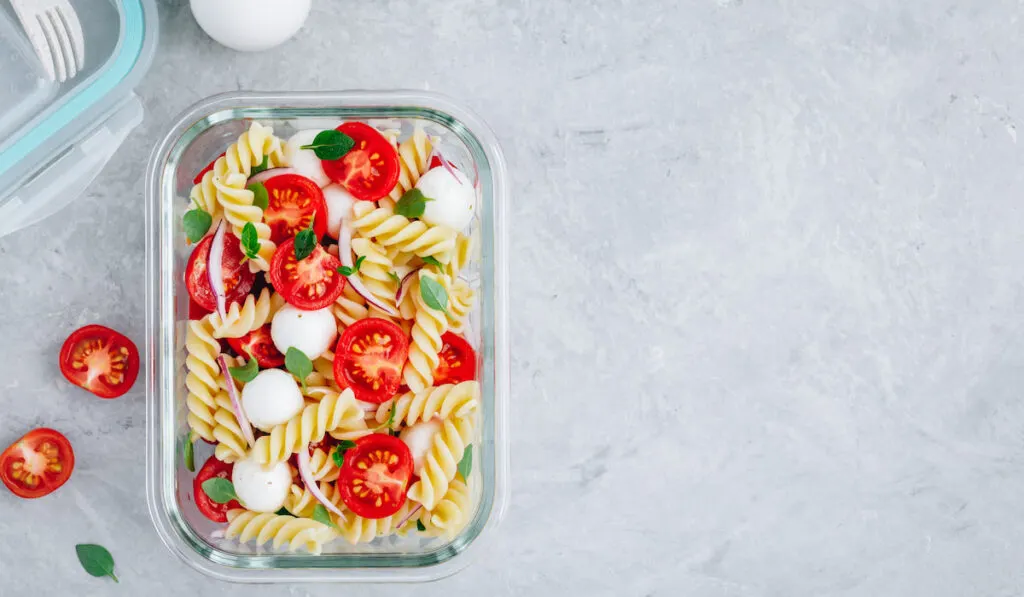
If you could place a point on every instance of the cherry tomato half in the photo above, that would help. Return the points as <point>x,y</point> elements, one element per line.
<point>238,278</point>
<point>370,356</point>
<point>294,202</point>
<point>101,360</point>
<point>310,284</point>
<point>260,345</point>
<point>375,475</point>
<point>458,360</point>
<point>37,464</point>
<point>199,177</point>
<point>211,509</point>
<point>370,169</point>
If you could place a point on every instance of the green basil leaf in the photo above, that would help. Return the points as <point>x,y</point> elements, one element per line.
<point>219,490</point>
<point>359,262</point>
<point>434,295</point>
<point>247,373</point>
<point>412,204</point>
<point>331,144</point>
<point>283,512</point>
<point>197,223</point>
<point>320,515</point>
<point>419,526</point>
<point>298,364</point>
<point>260,197</point>
<point>391,416</point>
<point>96,560</point>
<point>264,165</point>
<point>431,260</point>
<point>250,240</point>
<point>346,271</point>
<point>466,464</point>
<point>190,452</point>
<point>394,277</point>
<point>305,242</point>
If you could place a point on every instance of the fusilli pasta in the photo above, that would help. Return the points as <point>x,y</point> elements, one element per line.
<point>350,307</point>
<point>280,529</point>
<point>356,529</point>
<point>203,377</point>
<point>441,463</point>
<point>413,161</point>
<point>426,341</point>
<point>442,401</point>
<point>231,444</point>
<point>252,315</point>
<point>309,426</point>
<point>301,502</point>
<point>411,236</point>
<point>450,514</point>
<point>460,303</point>
<point>375,270</point>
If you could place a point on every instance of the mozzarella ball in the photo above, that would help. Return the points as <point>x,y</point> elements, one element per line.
<point>270,399</point>
<point>304,161</point>
<point>339,206</point>
<point>312,332</point>
<point>419,438</point>
<point>250,25</point>
<point>260,489</point>
<point>452,198</point>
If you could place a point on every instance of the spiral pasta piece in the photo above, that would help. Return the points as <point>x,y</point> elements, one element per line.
<point>441,463</point>
<point>350,307</point>
<point>236,165</point>
<point>460,303</point>
<point>356,529</point>
<point>203,378</point>
<point>375,271</point>
<point>301,502</point>
<point>461,256</point>
<point>280,529</point>
<point>426,341</point>
<point>231,444</point>
<point>411,236</point>
<point>252,315</point>
<point>451,514</point>
<point>413,162</point>
<point>309,426</point>
<point>442,401</point>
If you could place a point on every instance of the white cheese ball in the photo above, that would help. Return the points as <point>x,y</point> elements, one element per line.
<point>304,161</point>
<point>452,197</point>
<point>312,332</point>
<point>419,438</point>
<point>270,399</point>
<point>339,206</point>
<point>250,25</point>
<point>260,489</point>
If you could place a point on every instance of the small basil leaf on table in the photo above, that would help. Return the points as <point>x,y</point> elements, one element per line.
<point>96,560</point>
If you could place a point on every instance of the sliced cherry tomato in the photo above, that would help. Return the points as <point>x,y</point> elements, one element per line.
<point>37,464</point>
<point>101,360</point>
<point>375,475</point>
<point>310,284</point>
<point>435,162</point>
<point>294,202</point>
<point>370,170</point>
<point>260,345</point>
<point>458,360</point>
<point>238,278</point>
<point>370,357</point>
<point>195,310</point>
<point>199,177</point>
<point>211,509</point>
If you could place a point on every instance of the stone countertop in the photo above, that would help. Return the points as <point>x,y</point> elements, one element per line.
<point>766,268</point>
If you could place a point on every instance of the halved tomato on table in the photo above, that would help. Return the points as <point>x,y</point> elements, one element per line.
<point>238,279</point>
<point>310,284</point>
<point>260,346</point>
<point>294,202</point>
<point>369,357</point>
<point>37,464</point>
<point>209,508</point>
<point>375,475</point>
<point>370,169</point>
<point>458,360</point>
<point>101,360</point>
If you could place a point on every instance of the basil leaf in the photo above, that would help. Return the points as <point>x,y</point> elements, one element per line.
<point>264,165</point>
<point>260,197</point>
<point>338,455</point>
<point>434,295</point>
<point>412,204</point>
<point>197,223</point>
<point>320,515</point>
<point>219,490</point>
<point>331,144</point>
<point>466,464</point>
<point>190,452</point>
<point>283,512</point>
<point>394,277</point>
<point>305,242</point>
<point>96,560</point>
<point>431,260</point>
<point>250,240</point>
<point>348,271</point>
<point>391,416</point>
<point>419,526</point>
<point>298,364</point>
<point>247,373</point>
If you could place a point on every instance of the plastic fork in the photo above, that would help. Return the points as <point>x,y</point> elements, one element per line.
<point>56,35</point>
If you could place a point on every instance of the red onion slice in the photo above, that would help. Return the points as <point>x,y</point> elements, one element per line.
<point>268,174</point>
<point>306,473</point>
<point>345,254</point>
<point>215,269</point>
<point>236,403</point>
<point>403,289</point>
<point>411,513</point>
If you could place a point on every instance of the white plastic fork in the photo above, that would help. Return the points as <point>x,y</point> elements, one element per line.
<point>56,35</point>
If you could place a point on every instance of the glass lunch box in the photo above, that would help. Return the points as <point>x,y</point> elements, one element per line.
<point>196,138</point>
<point>56,137</point>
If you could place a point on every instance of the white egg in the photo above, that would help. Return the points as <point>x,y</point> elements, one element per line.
<point>260,489</point>
<point>452,198</point>
<point>312,332</point>
<point>419,438</point>
<point>339,206</point>
<point>272,398</point>
<point>304,161</point>
<point>250,25</point>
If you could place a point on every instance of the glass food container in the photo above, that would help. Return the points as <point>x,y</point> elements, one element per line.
<point>195,139</point>
<point>56,137</point>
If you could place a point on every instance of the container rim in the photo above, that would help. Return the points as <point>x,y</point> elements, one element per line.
<point>319,104</point>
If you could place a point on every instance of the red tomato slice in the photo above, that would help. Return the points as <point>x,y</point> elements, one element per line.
<point>370,356</point>
<point>101,360</point>
<point>211,509</point>
<point>199,177</point>
<point>260,345</point>
<point>294,202</point>
<point>375,475</point>
<point>458,360</point>
<point>237,277</point>
<point>310,284</point>
<point>370,170</point>
<point>435,162</point>
<point>37,464</point>
<point>195,310</point>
